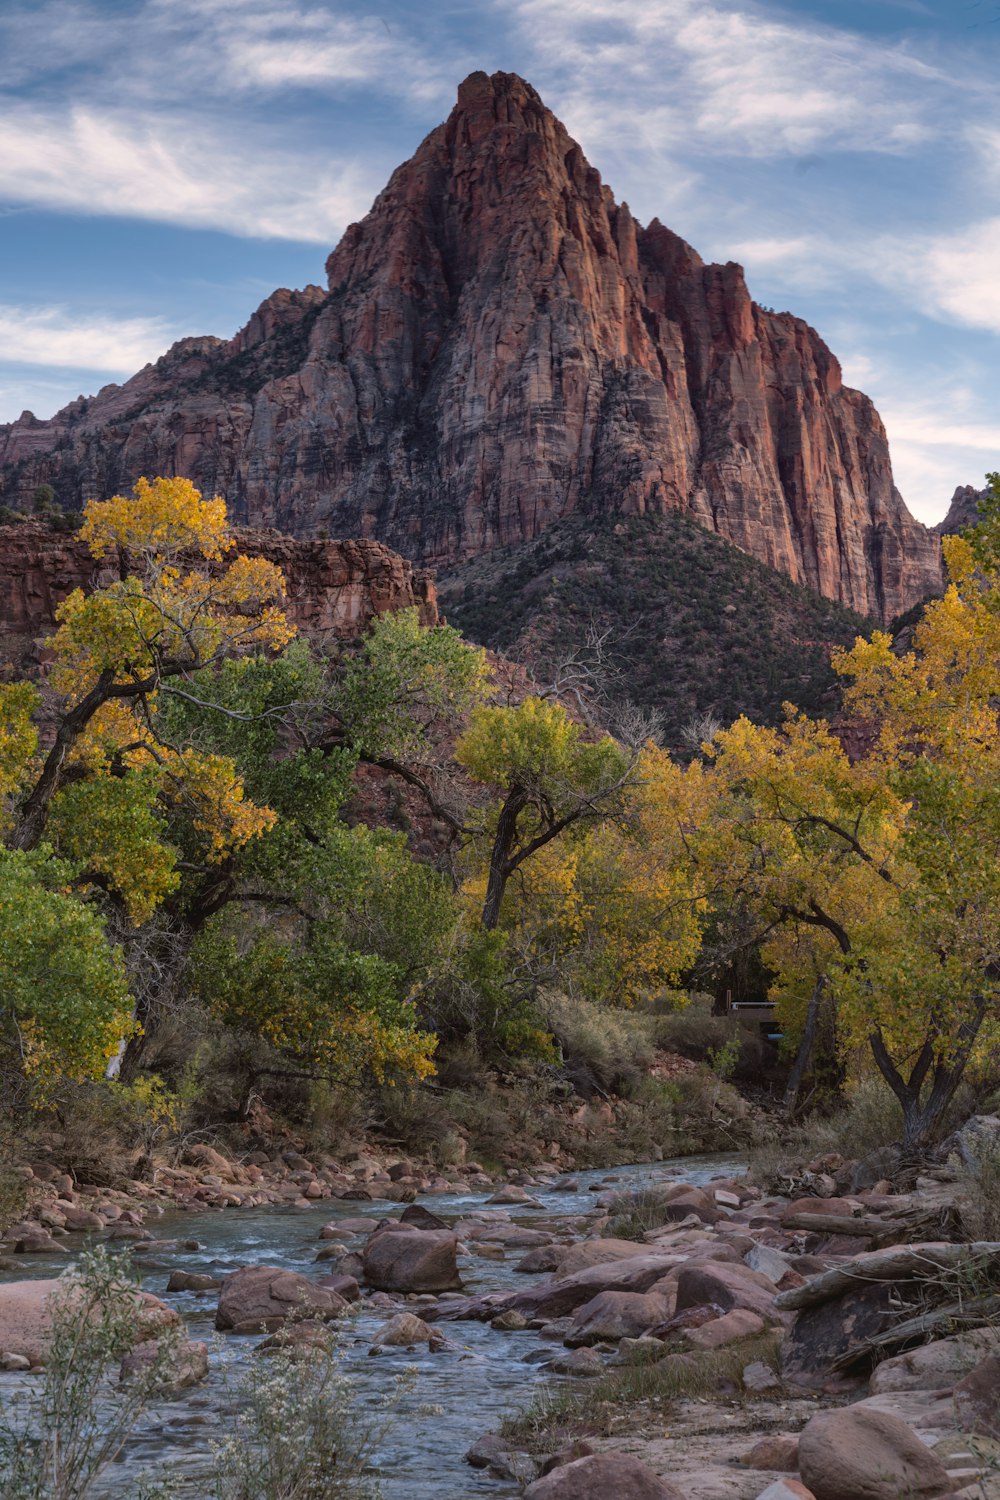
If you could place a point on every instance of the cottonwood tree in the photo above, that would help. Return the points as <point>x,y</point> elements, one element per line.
<point>877,881</point>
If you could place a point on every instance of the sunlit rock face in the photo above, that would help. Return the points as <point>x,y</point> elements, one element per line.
<point>502,344</point>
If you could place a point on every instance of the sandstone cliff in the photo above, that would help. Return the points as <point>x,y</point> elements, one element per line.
<point>501,345</point>
<point>963,510</point>
<point>334,587</point>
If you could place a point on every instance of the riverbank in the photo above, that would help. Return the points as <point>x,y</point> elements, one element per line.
<point>691,1346</point>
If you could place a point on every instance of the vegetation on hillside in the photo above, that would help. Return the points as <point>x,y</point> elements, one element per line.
<point>687,623</point>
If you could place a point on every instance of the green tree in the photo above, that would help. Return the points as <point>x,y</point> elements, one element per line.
<point>548,777</point>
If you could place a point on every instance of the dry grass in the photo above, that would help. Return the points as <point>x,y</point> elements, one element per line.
<point>565,1411</point>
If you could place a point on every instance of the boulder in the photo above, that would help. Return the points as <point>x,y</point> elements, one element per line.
<point>618,1315</point>
<point>759,1377</point>
<point>728,1286</point>
<point>859,1454</point>
<point>553,1299</point>
<point>298,1340</point>
<point>602,1476</point>
<point>178,1367</point>
<point>260,1299</point>
<point>597,1252</point>
<point>584,1364</point>
<point>543,1258</point>
<point>411,1260</point>
<point>823,1334</point>
<point>977,1399</point>
<point>936,1366</point>
<point>26,1309</point>
<point>193,1281</point>
<point>786,1489</point>
<point>421,1218</point>
<point>778,1452</point>
<point>717,1332</point>
<point>403,1331</point>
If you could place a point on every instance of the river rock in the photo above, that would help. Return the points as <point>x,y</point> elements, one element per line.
<point>933,1367</point>
<point>298,1340</point>
<point>421,1218</point>
<point>728,1286</point>
<point>741,1323</point>
<point>403,1331</point>
<point>618,1315</point>
<point>597,1252</point>
<point>344,1286</point>
<point>602,1476</point>
<point>779,1451</point>
<point>859,1454</point>
<point>26,1309</point>
<point>554,1299</point>
<point>977,1399</point>
<point>511,1193</point>
<point>543,1258</point>
<point>260,1299</point>
<point>411,1260</point>
<point>582,1363</point>
<point>193,1281</point>
<point>821,1335</point>
<point>180,1365</point>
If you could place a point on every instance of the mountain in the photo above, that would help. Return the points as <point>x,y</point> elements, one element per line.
<point>963,510</point>
<point>679,619</point>
<point>502,345</point>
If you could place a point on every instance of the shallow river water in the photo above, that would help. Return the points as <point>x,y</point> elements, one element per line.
<point>456,1396</point>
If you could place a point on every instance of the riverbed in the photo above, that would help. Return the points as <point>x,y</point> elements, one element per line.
<point>456,1394</point>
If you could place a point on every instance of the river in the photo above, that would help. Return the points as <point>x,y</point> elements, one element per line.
<point>455,1397</point>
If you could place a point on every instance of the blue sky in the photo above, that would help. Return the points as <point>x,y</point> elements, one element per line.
<point>165,164</point>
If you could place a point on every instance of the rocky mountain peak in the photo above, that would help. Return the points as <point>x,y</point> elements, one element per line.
<point>503,345</point>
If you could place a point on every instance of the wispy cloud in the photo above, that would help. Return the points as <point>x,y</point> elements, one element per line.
<point>952,277</point>
<point>94,160</point>
<point>174,119</point>
<point>730,77</point>
<point>54,336</point>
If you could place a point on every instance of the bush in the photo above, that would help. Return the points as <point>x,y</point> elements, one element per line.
<point>604,1050</point>
<point>59,1437</point>
<point>297,1431</point>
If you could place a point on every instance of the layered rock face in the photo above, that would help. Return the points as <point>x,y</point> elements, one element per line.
<point>334,587</point>
<point>501,345</point>
<point>963,510</point>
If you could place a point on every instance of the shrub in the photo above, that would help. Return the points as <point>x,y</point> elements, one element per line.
<point>57,1439</point>
<point>603,1049</point>
<point>297,1432</point>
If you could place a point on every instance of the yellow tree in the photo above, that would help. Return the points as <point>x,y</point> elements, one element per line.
<point>548,776</point>
<point>880,879</point>
<point>610,904</point>
<point>107,781</point>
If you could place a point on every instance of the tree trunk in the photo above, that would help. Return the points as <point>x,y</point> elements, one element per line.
<point>804,1054</point>
<point>503,842</point>
<point>920,1119</point>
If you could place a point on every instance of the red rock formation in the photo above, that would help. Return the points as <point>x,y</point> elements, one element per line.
<point>502,344</point>
<point>963,510</point>
<point>332,587</point>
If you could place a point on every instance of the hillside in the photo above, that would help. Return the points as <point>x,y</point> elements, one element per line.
<point>695,626</point>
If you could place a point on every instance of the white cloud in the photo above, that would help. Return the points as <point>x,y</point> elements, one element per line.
<point>167,111</point>
<point>951,276</point>
<point>732,79</point>
<point>90,160</point>
<point>53,336</point>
